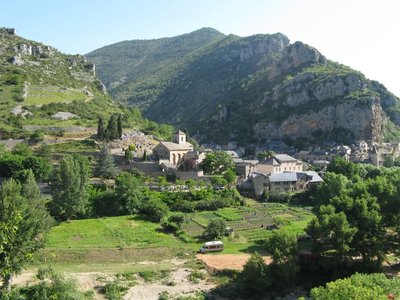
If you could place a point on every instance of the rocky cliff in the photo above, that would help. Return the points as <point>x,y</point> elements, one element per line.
<point>250,89</point>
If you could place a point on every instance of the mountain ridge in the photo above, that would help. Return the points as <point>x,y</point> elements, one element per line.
<point>255,88</point>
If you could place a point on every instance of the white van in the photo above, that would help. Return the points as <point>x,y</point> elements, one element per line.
<point>212,246</point>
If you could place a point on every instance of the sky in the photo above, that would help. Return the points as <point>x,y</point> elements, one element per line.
<point>362,34</point>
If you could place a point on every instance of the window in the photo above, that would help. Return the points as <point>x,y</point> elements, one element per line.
<point>181,138</point>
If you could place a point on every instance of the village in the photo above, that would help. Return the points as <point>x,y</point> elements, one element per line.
<point>272,167</point>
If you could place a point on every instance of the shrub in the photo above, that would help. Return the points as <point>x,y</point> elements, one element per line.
<point>52,285</point>
<point>114,290</point>
<point>184,206</point>
<point>174,222</point>
<point>154,209</point>
<point>278,197</point>
<point>215,229</point>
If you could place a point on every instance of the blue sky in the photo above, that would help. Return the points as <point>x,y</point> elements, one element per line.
<point>362,34</point>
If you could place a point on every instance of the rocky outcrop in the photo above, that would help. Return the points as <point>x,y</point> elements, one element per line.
<point>61,115</point>
<point>312,87</point>
<point>296,56</point>
<point>19,111</point>
<point>362,119</point>
<point>275,44</point>
<point>35,50</point>
<point>16,60</point>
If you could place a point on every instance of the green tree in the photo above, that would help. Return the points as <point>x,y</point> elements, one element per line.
<point>30,189</point>
<point>265,154</point>
<point>68,187</point>
<point>105,166</point>
<point>144,155</point>
<point>230,176</point>
<point>128,155</point>
<point>129,190</point>
<point>154,209</point>
<point>23,226</point>
<point>339,165</point>
<point>44,151</point>
<point>119,126</point>
<point>39,166</point>
<point>112,128</point>
<point>10,163</point>
<point>283,248</point>
<point>254,280</point>
<point>101,132</point>
<point>217,163</point>
<point>359,286</point>
<point>332,233</point>
<point>215,229</point>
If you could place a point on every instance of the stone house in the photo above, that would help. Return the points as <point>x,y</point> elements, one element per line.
<point>279,163</point>
<point>244,167</point>
<point>288,182</point>
<point>173,151</point>
<point>260,183</point>
<point>283,182</point>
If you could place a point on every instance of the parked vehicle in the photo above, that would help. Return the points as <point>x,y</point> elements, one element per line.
<point>212,246</point>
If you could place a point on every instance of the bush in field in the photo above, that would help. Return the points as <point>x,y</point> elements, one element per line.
<point>184,206</point>
<point>215,229</point>
<point>154,209</point>
<point>174,222</point>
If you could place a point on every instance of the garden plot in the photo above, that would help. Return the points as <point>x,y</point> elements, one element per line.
<point>252,222</point>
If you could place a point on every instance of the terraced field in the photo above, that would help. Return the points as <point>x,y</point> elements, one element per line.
<point>252,222</point>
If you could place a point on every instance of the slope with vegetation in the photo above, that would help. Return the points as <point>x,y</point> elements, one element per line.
<point>37,82</point>
<point>224,87</point>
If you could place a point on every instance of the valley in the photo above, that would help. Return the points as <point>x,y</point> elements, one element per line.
<point>287,159</point>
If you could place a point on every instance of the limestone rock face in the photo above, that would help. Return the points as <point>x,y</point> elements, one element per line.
<point>296,56</point>
<point>265,46</point>
<point>35,50</point>
<point>364,121</point>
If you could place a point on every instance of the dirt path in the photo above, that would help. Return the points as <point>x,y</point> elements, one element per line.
<point>227,261</point>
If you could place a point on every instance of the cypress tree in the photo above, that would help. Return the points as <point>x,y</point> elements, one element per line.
<point>144,155</point>
<point>100,129</point>
<point>112,128</point>
<point>119,126</point>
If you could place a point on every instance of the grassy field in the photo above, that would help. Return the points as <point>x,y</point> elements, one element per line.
<point>116,242</point>
<point>44,94</point>
<point>113,232</point>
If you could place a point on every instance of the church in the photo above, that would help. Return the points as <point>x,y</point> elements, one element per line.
<point>173,151</point>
